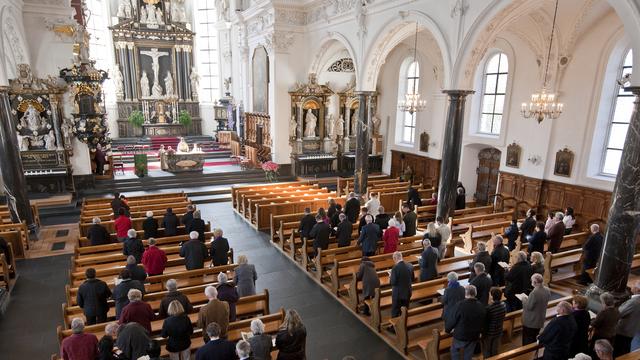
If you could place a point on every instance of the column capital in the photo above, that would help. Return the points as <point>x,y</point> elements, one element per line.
<point>453,93</point>
<point>364,93</point>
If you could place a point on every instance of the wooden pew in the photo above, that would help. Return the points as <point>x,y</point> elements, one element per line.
<point>263,212</point>
<point>131,199</point>
<point>138,212</point>
<point>634,355</point>
<point>236,190</point>
<point>136,223</point>
<point>427,213</point>
<point>526,352</point>
<point>135,205</point>
<point>563,259</point>
<point>249,211</point>
<point>477,233</point>
<point>83,242</point>
<point>9,274</point>
<point>18,236</point>
<point>245,198</point>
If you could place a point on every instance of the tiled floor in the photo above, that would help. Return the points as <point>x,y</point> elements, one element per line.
<point>47,237</point>
<point>28,329</point>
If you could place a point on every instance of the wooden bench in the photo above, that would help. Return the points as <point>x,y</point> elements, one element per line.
<point>526,352</point>
<point>263,212</point>
<point>136,223</point>
<point>250,210</point>
<point>17,236</point>
<point>563,259</point>
<point>9,274</point>
<point>84,242</point>
<point>237,191</point>
<point>131,199</point>
<point>99,209</point>
<point>138,212</point>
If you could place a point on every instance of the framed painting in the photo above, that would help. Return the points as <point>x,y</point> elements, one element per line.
<point>564,162</point>
<point>513,155</point>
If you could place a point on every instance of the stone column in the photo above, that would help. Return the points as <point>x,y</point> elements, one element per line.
<point>623,223</point>
<point>14,182</point>
<point>361,168</point>
<point>450,164</point>
<point>179,71</point>
<point>55,117</point>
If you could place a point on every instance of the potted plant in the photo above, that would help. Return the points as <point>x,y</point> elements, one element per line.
<point>136,119</point>
<point>270,171</point>
<point>184,118</point>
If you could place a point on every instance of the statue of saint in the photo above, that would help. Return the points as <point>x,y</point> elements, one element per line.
<point>117,79</point>
<point>50,141</point>
<point>183,146</point>
<point>329,132</point>
<point>376,124</point>
<point>23,142</point>
<point>143,15</point>
<point>178,13</point>
<point>159,18</point>
<point>196,148</point>
<point>310,122</point>
<point>339,126</point>
<point>168,84</point>
<point>354,123</point>
<point>124,9</point>
<point>144,85</point>
<point>31,119</point>
<point>151,15</point>
<point>293,126</point>
<point>194,79</point>
<point>222,6</point>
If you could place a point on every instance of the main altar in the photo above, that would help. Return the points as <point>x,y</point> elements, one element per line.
<point>155,72</point>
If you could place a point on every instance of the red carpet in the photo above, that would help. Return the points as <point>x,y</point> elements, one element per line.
<point>156,165</point>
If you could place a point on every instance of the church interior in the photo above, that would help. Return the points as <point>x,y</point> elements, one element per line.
<point>319,179</point>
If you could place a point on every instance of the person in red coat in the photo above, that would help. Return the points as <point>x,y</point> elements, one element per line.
<point>390,238</point>
<point>79,346</point>
<point>137,311</point>
<point>154,259</point>
<point>122,225</point>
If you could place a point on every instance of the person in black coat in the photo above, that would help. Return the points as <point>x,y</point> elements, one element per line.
<point>137,271</point>
<point>400,280</point>
<point>92,297</point>
<point>150,226</point>
<point>410,220</point>
<point>483,256</point>
<point>133,246</point>
<point>291,339</point>
<point>461,199</point>
<point>98,234</point>
<point>170,223</point>
<point>362,218</point>
<point>536,243</point>
<point>352,207</point>
<point>580,341</point>
<point>333,208</point>
<point>382,219</point>
<point>194,252</point>
<point>344,231</point>
<point>512,233</point>
<point>121,291</point>
<point>219,248</point>
<point>466,324</point>
<point>216,348</point>
<point>197,225</point>
<point>556,335</point>
<point>228,293</point>
<point>369,237</point>
<point>499,254</point>
<point>428,261</point>
<point>413,197</point>
<point>307,223</point>
<point>591,250</point>
<point>482,282</point>
<point>177,328</point>
<point>320,235</point>
<point>188,216</point>
<point>453,294</point>
<point>117,203</point>
<point>518,281</point>
<point>335,219</point>
<point>528,227</point>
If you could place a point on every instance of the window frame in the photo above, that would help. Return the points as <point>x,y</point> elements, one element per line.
<point>409,79</point>
<point>485,75</point>
<point>207,52</point>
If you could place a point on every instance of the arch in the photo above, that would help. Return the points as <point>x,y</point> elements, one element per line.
<point>394,32</point>
<point>11,42</point>
<point>326,44</point>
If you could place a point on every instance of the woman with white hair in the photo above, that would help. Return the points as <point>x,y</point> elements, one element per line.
<point>261,343</point>
<point>150,226</point>
<point>453,294</point>
<point>79,345</point>
<point>245,277</point>
<point>98,234</point>
<point>137,311</point>
<point>227,292</point>
<point>537,263</point>
<point>197,224</point>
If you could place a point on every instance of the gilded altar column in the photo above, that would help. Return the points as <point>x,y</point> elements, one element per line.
<point>363,137</point>
<point>11,171</point>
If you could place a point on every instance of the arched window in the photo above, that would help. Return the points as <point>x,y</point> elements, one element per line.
<point>207,51</point>
<point>619,122</point>
<point>494,88</point>
<point>412,79</point>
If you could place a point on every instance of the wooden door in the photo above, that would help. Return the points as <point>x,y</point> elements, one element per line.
<point>488,170</point>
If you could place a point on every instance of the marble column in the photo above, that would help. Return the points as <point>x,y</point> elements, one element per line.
<point>14,181</point>
<point>178,73</point>
<point>623,222</point>
<point>450,164</point>
<point>363,137</point>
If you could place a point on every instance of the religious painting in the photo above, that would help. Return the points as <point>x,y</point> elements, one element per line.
<point>513,155</point>
<point>156,75</point>
<point>260,72</point>
<point>564,162</point>
<point>424,142</point>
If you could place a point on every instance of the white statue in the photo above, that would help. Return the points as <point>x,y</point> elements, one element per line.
<point>23,142</point>
<point>143,15</point>
<point>159,18</point>
<point>310,122</point>
<point>67,132</point>
<point>31,119</point>
<point>339,126</point>
<point>50,141</point>
<point>124,9</point>
<point>177,11</point>
<point>329,126</point>
<point>183,146</point>
<point>155,55</point>
<point>151,15</point>
<point>196,148</point>
<point>117,79</point>
<point>354,122</point>
<point>168,84</point>
<point>195,80</point>
<point>376,124</point>
<point>144,84</point>
<point>293,126</point>
<point>222,6</point>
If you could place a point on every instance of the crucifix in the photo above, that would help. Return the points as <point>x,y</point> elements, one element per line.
<point>154,54</point>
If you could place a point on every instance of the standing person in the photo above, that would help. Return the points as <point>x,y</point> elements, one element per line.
<point>92,298</point>
<point>433,200</point>
<point>227,292</point>
<point>445,234</point>
<point>154,259</point>
<point>137,311</point>
<point>219,248</point>
<point>482,256</point>
<point>369,237</point>
<point>556,234</point>
<point>528,227</point>
<point>461,199</point>
<point>107,342</point>
<point>536,243</point>
<point>335,219</point>
<point>466,324</point>
<point>556,334</point>
<point>397,222</point>
<point>344,231</point>
<point>410,220</point>
<point>216,347</point>
<point>215,311</point>
<point>453,294</point>
<point>603,350</point>
<point>482,282</point>
<point>332,208</point>
<point>518,279</point>
<point>101,159</point>
<point>122,224</point>
<point>150,226</point>
<point>390,238</point>
<point>629,323</point>
<point>550,221</point>
<point>400,280</point>
<point>434,237</point>
<point>261,344</point>
<point>494,322</point>
<point>604,324</point>
<point>323,214</point>
<point>178,329</point>
<point>512,233</point>
<point>362,218</point>
<point>291,339</point>
<point>137,271</point>
<point>320,235</point>
<point>245,277</point>
<point>459,187</point>
<point>413,197</point>
<point>382,219</point>
<point>580,341</point>
<point>120,293</point>
<point>537,263</point>
<point>591,253</point>
<point>352,207</point>
<point>373,205</point>
<point>188,216</point>
<point>306,223</point>
<point>173,295</point>
<point>170,223</point>
<point>499,254</point>
<point>197,224</point>
<point>79,346</point>
<point>194,252</point>
<point>97,234</point>
<point>133,340</point>
<point>428,261</point>
<point>133,246</point>
<point>569,220</point>
<point>534,309</point>
<point>117,204</point>
<point>370,281</point>
<point>243,349</point>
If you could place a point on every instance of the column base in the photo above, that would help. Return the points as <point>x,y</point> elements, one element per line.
<point>593,294</point>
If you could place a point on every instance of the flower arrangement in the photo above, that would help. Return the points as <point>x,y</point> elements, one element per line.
<point>270,171</point>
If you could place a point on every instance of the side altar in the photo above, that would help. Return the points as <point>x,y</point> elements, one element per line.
<point>155,72</point>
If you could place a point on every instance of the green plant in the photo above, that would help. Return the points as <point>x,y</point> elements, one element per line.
<point>136,118</point>
<point>184,118</point>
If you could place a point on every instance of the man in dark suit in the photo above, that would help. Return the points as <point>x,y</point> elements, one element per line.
<point>197,225</point>
<point>117,203</point>
<point>590,253</point>
<point>343,231</point>
<point>219,248</point>
<point>188,216</point>
<point>133,246</point>
<point>512,233</point>
<point>170,223</point>
<point>461,199</point>
<point>428,261</point>
<point>320,235</point>
<point>410,220</point>
<point>400,281</point>
<point>307,223</point>
<point>382,219</point>
<point>482,282</point>
<point>352,207</point>
<point>369,237</point>
<point>413,197</point>
<point>121,291</point>
<point>194,252</point>
<point>555,335</point>
<point>466,324</point>
<point>150,226</point>
<point>482,256</point>
<point>518,280</point>
<point>137,271</point>
<point>528,227</point>
<point>499,254</point>
<point>556,233</point>
<point>98,235</point>
<point>92,298</point>
<point>216,348</point>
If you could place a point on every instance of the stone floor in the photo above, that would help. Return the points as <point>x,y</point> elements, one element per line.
<point>28,329</point>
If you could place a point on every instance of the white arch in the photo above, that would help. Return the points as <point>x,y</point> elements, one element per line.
<point>325,45</point>
<point>394,32</point>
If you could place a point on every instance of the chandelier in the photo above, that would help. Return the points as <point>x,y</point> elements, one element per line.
<point>543,104</point>
<point>412,102</point>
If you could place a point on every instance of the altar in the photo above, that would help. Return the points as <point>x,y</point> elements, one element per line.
<point>179,162</point>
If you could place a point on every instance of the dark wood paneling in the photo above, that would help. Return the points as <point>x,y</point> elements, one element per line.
<point>425,169</point>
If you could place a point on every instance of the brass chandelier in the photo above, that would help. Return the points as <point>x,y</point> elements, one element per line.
<point>412,102</point>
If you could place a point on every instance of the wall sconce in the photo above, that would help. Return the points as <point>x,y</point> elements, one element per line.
<point>535,159</point>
